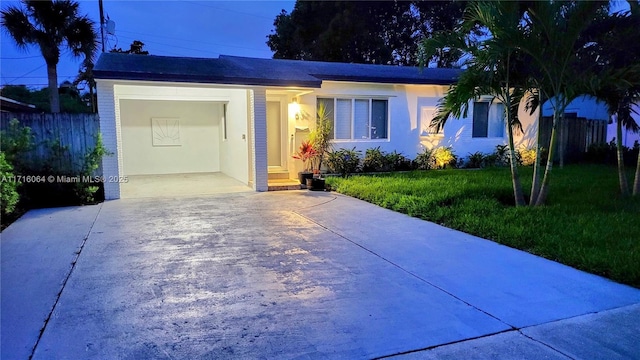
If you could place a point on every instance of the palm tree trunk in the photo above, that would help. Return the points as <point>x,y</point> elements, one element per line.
<point>54,97</point>
<point>544,187</point>
<point>636,182</point>
<point>535,183</point>
<point>622,177</point>
<point>92,100</point>
<point>515,176</point>
<point>561,142</point>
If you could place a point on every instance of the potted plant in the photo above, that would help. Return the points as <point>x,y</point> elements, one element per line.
<point>320,137</point>
<point>306,153</point>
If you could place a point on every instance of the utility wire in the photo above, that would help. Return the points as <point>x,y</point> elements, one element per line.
<point>175,46</point>
<point>193,41</point>
<point>20,58</point>
<point>229,10</point>
<point>25,74</point>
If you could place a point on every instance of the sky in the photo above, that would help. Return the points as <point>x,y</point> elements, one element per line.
<point>171,28</point>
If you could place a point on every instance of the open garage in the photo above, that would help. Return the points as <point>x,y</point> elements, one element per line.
<point>179,140</point>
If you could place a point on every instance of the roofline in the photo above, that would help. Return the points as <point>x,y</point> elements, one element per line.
<point>386,80</point>
<point>126,75</point>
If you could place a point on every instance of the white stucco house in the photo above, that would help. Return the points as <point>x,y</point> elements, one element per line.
<point>245,117</point>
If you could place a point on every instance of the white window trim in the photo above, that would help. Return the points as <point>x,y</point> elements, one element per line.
<point>353,109</point>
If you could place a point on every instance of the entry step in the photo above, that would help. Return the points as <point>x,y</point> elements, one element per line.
<point>283,184</point>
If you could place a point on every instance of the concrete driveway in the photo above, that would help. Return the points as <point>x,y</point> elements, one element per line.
<point>291,275</point>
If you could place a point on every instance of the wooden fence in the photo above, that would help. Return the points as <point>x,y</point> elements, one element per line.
<point>60,140</point>
<point>576,135</point>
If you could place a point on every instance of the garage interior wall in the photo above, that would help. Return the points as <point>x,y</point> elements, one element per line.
<point>196,150</point>
<point>234,150</point>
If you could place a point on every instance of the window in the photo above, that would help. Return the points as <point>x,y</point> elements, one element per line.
<point>427,113</point>
<point>357,119</point>
<point>488,119</point>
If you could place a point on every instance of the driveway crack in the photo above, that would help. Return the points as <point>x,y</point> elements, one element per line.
<point>64,283</point>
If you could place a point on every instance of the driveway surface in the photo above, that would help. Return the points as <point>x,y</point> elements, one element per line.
<point>291,275</point>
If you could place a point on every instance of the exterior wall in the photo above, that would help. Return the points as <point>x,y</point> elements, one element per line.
<point>408,131</point>
<point>199,137</point>
<point>108,107</point>
<point>585,106</point>
<point>258,111</point>
<point>234,151</point>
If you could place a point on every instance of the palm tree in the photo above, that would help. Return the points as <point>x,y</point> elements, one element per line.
<point>51,25</point>
<point>553,38</point>
<point>615,48</point>
<point>495,67</point>
<point>85,75</point>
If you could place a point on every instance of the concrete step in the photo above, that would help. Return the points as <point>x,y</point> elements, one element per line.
<point>278,175</point>
<point>283,184</point>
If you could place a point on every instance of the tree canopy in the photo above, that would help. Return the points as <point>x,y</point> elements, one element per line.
<point>71,101</point>
<point>136,47</point>
<point>52,26</point>
<point>378,32</point>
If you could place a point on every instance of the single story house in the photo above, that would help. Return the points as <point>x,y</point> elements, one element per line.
<point>245,117</point>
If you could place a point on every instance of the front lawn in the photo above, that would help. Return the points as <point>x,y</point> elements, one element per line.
<point>586,223</point>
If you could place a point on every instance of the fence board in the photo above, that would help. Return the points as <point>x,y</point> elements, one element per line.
<point>577,134</point>
<point>76,134</point>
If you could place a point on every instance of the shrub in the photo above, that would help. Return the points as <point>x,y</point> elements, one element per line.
<point>424,160</point>
<point>606,153</point>
<point>375,160</point>
<point>17,140</point>
<point>443,157</point>
<point>344,161</point>
<point>397,162</point>
<point>500,156</point>
<point>527,156</point>
<point>8,187</point>
<point>475,160</point>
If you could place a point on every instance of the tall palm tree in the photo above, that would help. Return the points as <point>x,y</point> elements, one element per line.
<point>614,46</point>
<point>495,67</point>
<point>52,26</point>
<point>553,38</point>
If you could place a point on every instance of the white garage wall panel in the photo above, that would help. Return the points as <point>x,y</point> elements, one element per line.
<point>194,148</point>
<point>234,151</point>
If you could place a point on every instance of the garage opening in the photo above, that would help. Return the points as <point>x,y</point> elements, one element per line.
<point>177,148</point>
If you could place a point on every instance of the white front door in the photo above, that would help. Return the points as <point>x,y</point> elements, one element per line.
<point>275,143</point>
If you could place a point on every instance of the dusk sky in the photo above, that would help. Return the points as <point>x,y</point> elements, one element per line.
<point>171,28</point>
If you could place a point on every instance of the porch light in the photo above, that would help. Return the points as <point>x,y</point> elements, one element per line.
<point>294,108</point>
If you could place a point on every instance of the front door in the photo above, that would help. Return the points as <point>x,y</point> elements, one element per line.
<point>275,147</point>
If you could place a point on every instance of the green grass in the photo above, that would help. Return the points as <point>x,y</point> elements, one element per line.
<point>586,223</point>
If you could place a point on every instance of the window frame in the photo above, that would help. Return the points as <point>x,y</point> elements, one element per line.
<point>490,105</point>
<point>353,131</point>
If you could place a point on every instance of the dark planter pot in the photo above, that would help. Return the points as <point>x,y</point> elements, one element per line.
<point>315,184</point>
<point>302,177</point>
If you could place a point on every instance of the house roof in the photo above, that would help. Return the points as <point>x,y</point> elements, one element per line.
<point>237,70</point>
<point>11,105</point>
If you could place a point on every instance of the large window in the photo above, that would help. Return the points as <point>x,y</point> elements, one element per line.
<point>357,119</point>
<point>488,119</point>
